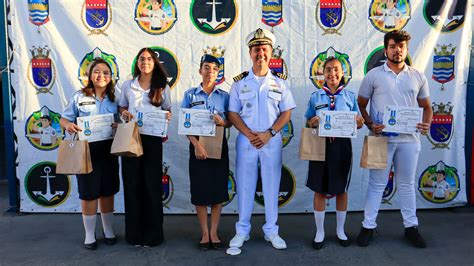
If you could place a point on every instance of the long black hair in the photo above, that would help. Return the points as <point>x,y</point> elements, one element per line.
<point>159,77</point>
<point>88,90</point>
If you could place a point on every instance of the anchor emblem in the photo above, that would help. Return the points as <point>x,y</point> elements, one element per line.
<point>214,23</point>
<point>48,195</point>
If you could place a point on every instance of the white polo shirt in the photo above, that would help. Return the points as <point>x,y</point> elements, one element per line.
<point>134,96</point>
<point>383,87</point>
<point>260,102</point>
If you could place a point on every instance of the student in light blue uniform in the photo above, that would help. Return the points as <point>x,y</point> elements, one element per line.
<point>208,177</point>
<point>332,176</point>
<point>100,186</point>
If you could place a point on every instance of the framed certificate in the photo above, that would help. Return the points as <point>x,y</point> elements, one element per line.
<point>196,122</point>
<point>401,119</point>
<point>96,127</point>
<point>339,124</point>
<point>152,122</point>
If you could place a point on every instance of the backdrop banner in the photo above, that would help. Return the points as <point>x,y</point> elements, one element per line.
<point>53,43</point>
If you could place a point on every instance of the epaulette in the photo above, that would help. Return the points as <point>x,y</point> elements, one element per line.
<point>241,76</point>
<point>280,75</point>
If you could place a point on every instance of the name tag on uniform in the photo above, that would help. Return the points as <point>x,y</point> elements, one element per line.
<point>245,90</point>
<point>86,103</point>
<point>275,91</point>
<point>197,103</point>
<point>321,106</point>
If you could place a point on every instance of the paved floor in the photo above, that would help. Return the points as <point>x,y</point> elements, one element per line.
<point>51,239</point>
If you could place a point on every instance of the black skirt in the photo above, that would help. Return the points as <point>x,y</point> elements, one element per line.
<point>332,176</point>
<point>209,177</point>
<point>103,181</point>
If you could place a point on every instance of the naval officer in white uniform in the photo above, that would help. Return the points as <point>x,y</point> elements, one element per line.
<point>260,105</point>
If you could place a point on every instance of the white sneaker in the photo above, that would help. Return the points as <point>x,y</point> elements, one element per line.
<point>277,241</point>
<point>238,240</point>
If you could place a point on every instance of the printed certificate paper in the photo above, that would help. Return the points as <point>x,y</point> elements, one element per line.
<point>339,124</point>
<point>196,122</point>
<point>401,119</point>
<point>96,127</point>
<point>152,122</point>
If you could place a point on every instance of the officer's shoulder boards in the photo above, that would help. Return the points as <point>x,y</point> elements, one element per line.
<point>241,76</point>
<point>280,75</point>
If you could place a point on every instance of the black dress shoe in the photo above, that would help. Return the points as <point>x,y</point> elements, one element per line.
<point>344,243</point>
<point>412,235</point>
<point>203,246</point>
<point>110,241</point>
<point>317,245</point>
<point>365,236</point>
<point>216,245</point>
<point>91,246</point>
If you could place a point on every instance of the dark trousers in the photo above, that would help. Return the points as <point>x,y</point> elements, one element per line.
<point>143,194</point>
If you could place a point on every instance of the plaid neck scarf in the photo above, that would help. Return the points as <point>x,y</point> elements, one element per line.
<point>332,96</point>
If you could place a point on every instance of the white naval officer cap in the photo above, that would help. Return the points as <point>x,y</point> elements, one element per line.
<point>260,37</point>
<point>440,167</point>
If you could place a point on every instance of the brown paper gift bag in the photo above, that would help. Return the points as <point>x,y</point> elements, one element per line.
<point>74,157</point>
<point>127,141</point>
<point>213,145</point>
<point>312,146</point>
<point>374,153</point>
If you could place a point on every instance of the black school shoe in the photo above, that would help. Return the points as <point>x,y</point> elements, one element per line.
<point>412,235</point>
<point>365,236</point>
<point>317,245</point>
<point>91,246</point>
<point>344,243</point>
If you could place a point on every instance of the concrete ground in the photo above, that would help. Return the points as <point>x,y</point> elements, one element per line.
<point>56,239</point>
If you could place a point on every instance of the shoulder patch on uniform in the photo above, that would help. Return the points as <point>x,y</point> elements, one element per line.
<point>280,75</point>
<point>241,76</point>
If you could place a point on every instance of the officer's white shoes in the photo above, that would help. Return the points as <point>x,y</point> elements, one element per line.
<point>238,240</point>
<point>276,240</point>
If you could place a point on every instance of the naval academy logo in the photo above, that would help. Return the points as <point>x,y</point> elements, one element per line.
<point>231,188</point>
<point>442,128</point>
<point>168,187</point>
<point>390,189</point>
<point>38,11</point>
<point>286,191</point>
<point>156,16</point>
<point>287,133</point>
<point>272,12</point>
<point>83,71</point>
<point>96,16</point>
<point>316,74</point>
<point>389,15</point>
<point>439,183</point>
<point>443,64</point>
<point>169,61</point>
<point>213,17</point>
<point>277,63</point>
<point>217,52</point>
<point>445,15</point>
<point>42,129</point>
<point>41,71</point>
<point>377,58</point>
<point>331,15</point>
<point>46,188</point>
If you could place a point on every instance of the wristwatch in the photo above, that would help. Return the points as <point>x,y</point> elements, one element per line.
<point>272,131</point>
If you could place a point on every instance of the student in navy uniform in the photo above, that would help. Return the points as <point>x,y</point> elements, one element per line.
<point>100,186</point>
<point>208,177</point>
<point>332,176</point>
<point>142,176</point>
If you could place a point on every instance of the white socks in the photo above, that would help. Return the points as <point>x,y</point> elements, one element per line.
<point>340,220</point>
<point>319,219</point>
<point>89,227</point>
<point>107,221</point>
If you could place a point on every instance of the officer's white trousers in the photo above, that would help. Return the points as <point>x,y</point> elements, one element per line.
<point>405,160</point>
<point>247,160</point>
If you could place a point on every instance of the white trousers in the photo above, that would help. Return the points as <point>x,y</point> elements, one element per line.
<point>246,163</point>
<point>405,160</point>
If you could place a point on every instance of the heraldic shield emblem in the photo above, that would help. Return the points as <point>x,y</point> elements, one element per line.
<point>443,64</point>
<point>442,129</point>
<point>41,73</point>
<point>330,15</point>
<point>217,52</point>
<point>38,11</point>
<point>96,16</point>
<point>272,12</point>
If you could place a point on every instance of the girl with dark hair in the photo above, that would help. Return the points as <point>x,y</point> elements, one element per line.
<point>142,175</point>
<point>332,176</point>
<point>100,186</point>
